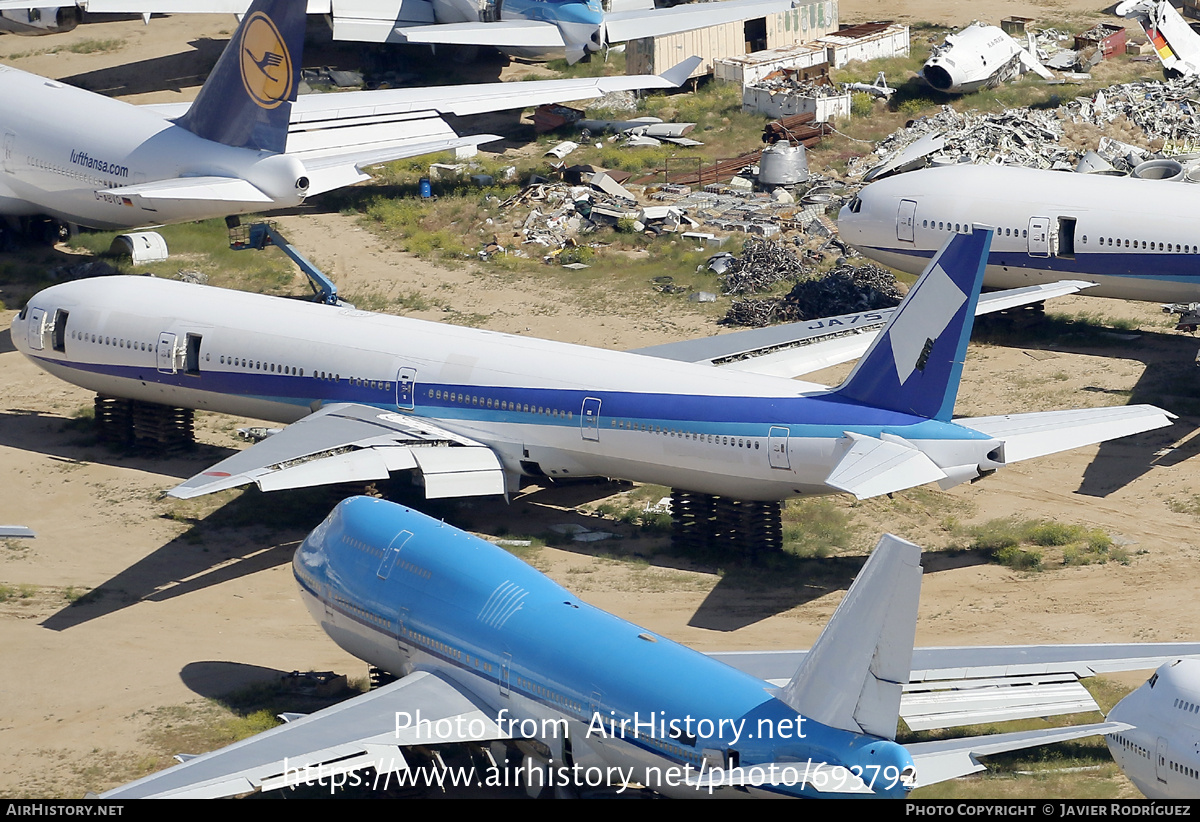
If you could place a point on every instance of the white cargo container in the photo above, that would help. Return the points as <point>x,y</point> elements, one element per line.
<point>779,103</point>
<point>748,69</point>
<point>805,22</point>
<point>868,41</point>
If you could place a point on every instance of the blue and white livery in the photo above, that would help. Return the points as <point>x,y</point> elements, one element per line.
<point>1135,239</point>
<point>472,411</point>
<point>490,649</point>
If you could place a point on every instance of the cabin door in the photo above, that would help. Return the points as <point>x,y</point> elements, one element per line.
<point>906,221</point>
<point>1039,236</point>
<point>406,387</point>
<point>36,328</point>
<point>777,447</point>
<point>166,353</point>
<point>589,419</point>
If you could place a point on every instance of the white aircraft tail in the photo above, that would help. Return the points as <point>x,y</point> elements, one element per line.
<point>853,677</point>
<point>1177,46</point>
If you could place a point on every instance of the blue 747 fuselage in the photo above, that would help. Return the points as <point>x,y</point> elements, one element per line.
<point>626,702</point>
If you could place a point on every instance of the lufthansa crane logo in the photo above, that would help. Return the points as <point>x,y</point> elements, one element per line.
<point>266,63</point>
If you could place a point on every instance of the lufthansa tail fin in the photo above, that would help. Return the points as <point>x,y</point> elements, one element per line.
<point>246,102</point>
<point>854,675</point>
<point>915,363</point>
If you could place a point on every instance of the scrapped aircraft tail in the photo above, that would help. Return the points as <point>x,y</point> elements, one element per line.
<point>1177,46</point>
<point>915,364</point>
<point>855,673</point>
<point>246,101</point>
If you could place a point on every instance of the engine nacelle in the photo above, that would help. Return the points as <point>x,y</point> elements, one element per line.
<point>37,21</point>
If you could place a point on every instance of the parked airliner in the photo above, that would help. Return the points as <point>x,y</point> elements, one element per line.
<point>1160,752</point>
<point>246,144</point>
<point>367,394</point>
<point>1136,239</point>
<point>490,649</point>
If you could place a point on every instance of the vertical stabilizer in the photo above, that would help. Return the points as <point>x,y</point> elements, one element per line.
<point>915,364</point>
<point>1177,46</point>
<point>853,677</point>
<point>246,101</point>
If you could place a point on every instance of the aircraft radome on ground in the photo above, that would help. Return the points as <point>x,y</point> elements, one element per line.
<point>1135,238</point>
<point>530,29</point>
<point>489,649</point>
<point>473,411</point>
<point>247,143</point>
<point>978,56</point>
<point>1177,45</point>
<point>1160,752</point>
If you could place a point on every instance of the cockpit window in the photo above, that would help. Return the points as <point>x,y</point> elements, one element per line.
<point>24,312</point>
<point>855,205</point>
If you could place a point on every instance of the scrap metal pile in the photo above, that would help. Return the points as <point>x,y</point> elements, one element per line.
<point>1165,111</point>
<point>841,290</point>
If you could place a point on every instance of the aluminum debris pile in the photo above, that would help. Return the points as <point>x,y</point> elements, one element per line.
<point>763,264</point>
<point>844,290</point>
<point>1162,110</point>
<point>1022,137</point>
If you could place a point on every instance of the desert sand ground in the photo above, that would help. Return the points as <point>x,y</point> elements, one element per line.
<point>189,614</point>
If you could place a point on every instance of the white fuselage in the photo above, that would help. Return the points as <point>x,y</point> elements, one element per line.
<point>544,408</point>
<point>1161,753</point>
<point>1135,238</point>
<point>971,59</point>
<point>61,147</point>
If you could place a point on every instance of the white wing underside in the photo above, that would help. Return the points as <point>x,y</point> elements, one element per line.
<point>356,443</point>
<point>358,733</point>
<point>952,687</point>
<point>338,135</point>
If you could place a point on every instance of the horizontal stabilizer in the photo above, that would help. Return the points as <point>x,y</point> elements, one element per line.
<point>368,731</point>
<point>1027,436</point>
<point>500,34</point>
<point>853,677</point>
<point>951,758</point>
<point>632,25</point>
<point>872,467</point>
<point>221,189</point>
<point>356,443</point>
<point>1015,681</point>
<point>954,703</point>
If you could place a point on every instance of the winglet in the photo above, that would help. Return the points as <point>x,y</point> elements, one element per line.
<point>678,74</point>
<point>246,102</point>
<point>915,364</point>
<point>854,675</point>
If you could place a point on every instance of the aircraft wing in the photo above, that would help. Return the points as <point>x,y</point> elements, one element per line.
<point>501,34</point>
<point>955,686</point>
<point>368,731</point>
<point>356,443</point>
<point>632,25</point>
<point>337,135</point>
<point>795,349</point>
<point>1034,435</point>
<point>944,759</point>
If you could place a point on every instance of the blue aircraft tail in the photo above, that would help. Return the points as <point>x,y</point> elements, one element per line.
<point>915,364</point>
<point>246,101</point>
